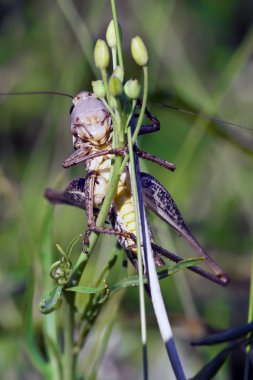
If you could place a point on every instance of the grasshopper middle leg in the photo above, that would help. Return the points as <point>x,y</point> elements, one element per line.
<point>78,157</point>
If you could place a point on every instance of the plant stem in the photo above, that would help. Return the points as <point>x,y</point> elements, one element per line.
<point>114,58</point>
<point>157,299</point>
<point>105,82</point>
<point>109,108</point>
<point>143,106</point>
<point>113,182</point>
<point>155,291</point>
<point>250,318</point>
<point>68,325</point>
<point>129,117</point>
<point>139,253</point>
<point>116,27</point>
<point>250,311</point>
<point>49,324</point>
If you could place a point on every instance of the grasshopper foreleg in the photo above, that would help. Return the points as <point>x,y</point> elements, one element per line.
<point>77,156</point>
<point>82,156</point>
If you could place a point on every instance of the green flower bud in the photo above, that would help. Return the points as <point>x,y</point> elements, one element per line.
<point>115,86</point>
<point>101,54</point>
<point>98,88</point>
<point>132,88</point>
<point>139,51</point>
<point>111,35</point>
<point>118,72</point>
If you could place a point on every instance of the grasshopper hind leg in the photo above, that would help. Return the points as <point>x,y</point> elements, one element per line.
<point>159,200</point>
<point>73,195</point>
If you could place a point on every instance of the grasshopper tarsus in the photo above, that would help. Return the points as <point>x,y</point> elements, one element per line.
<point>112,231</point>
<point>224,278</point>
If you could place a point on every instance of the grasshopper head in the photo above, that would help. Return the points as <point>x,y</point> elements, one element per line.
<point>90,120</point>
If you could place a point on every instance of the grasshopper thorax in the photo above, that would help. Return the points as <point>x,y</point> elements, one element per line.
<point>90,120</point>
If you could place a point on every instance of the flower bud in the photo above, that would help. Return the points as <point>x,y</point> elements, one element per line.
<point>111,35</point>
<point>132,88</point>
<point>139,51</point>
<point>118,72</point>
<point>101,54</point>
<point>115,86</point>
<point>98,88</point>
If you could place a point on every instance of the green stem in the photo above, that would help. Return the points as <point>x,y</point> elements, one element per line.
<point>49,324</point>
<point>141,116</point>
<point>130,115</point>
<point>114,58</point>
<point>68,356</point>
<point>250,318</point>
<point>105,82</point>
<point>113,182</point>
<point>250,311</point>
<point>143,106</point>
<point>116,129</point>
<point>116,27</point>
<point>109,108</point>
<point>139,251</point>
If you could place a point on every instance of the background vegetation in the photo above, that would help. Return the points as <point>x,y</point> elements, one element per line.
<point>200,59</point>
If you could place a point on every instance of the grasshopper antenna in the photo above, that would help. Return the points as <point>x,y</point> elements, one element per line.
<point>204,116</point>
<point>37,93</point>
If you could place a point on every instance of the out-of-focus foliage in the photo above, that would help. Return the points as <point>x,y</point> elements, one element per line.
<point>200,59</point>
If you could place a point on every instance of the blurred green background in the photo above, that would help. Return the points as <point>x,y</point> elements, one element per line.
<point>200,59</point>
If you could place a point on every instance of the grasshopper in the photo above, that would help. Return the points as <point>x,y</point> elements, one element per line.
<point>92,128</point>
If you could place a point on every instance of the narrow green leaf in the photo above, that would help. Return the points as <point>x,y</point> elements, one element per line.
<point>194,261</point>
<point>134,280</point>
<point>32,347</point>
<point>86,290</point>
<point>52,300</point>
<point>56,351</point>
<point>73,242</point>
<point>60,250</point>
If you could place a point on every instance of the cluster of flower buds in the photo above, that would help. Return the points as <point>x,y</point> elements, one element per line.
<point>116,84</point>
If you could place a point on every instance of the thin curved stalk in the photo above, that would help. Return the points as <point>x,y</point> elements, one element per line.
<point>139,253</point>
<point>116,26</point>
